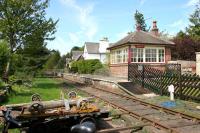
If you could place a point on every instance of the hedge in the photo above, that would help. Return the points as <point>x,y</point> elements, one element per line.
<point>86,66</point>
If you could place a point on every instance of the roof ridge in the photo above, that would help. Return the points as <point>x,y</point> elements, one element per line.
<point>158,37</point>
<point>92,42</point>
<point>126,37</point>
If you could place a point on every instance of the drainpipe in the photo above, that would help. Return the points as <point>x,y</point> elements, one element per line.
<point>129,58</point>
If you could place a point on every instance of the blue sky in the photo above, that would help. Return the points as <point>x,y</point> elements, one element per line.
<point>91,20</point>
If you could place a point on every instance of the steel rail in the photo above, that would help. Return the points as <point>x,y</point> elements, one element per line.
<point>173,112</point>
<point>136,115</point>
<point>157,107</point>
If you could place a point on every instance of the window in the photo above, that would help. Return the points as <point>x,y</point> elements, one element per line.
<point>125,55</point>
<point>150,55</point>
<point>119,56</point>
<point>147,55</point>
<point>112,57</point>
<point>136,55</point>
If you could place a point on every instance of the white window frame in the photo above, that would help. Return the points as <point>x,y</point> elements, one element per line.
<point>119,57</point>
<point>144,55</point>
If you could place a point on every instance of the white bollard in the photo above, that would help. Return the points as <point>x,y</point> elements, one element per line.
<point>171,91</point>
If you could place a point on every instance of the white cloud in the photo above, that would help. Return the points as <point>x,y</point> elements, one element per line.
<point>192,2</point>
<point>59,44</point>
<point>177,23</point>
<point>73,37</point>
<point>176,26</point>
<point>121,35</point>
<point>142,2</point>
<point>88,25</point>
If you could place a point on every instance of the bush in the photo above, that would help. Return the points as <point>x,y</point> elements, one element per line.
<point>104,71</point>
<point>86,66</point>
<point>1,83</point>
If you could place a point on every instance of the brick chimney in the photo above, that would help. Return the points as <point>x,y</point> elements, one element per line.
<point>138,27</point>
<point>154,29</point>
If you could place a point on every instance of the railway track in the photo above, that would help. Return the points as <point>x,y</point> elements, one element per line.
<point>162,118</point>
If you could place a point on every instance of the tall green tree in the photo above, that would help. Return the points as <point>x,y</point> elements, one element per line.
<point>187,43</point>
<point>194,27</point>
<point>139,19</point>
<point>62,62</point>
<point>34,57</point>
<point>4,55</point>
<point>24,21</point>
<point>53,60</point>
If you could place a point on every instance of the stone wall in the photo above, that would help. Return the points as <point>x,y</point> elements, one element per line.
<point>186,66</point>
<point>119,70</point>
<point>92,81</point>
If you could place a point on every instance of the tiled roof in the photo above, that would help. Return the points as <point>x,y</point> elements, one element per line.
<point>141,37</point>
<point>92,48</point>
<point>76,54</point>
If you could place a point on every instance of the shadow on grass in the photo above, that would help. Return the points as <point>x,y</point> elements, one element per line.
<point>47,85</point>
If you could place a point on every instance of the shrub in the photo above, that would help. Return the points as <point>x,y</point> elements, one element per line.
<point>104,71</point>
<point>86,66</point>
<point>1,83</point>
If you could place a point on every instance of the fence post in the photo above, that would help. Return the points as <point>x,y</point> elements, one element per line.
<point>128,71</point>
<point>143,75</point>
<point>180,82</point>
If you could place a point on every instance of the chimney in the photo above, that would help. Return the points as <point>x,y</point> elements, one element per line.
<point>138,27</point>
<point>105,39</point>
<point>155,30</point>
<point>103,45</point>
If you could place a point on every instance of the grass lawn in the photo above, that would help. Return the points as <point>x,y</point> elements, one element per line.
<point>48,89</point>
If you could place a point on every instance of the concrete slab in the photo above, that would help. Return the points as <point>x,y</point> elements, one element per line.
<point>189,129</point>
<point>151,129</point>
<point>178,123</point>
<point>161,116</point>
<point>137,107</point>
<point>147,112</point>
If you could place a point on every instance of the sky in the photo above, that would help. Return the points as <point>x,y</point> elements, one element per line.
<point>90,20</point>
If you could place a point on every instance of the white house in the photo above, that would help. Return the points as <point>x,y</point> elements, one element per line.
<point>93,50</point>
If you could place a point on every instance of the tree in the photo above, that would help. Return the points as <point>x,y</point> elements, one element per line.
<point>194,28</point>
<point>62,62</point>
<point>53,60</point>
<point>34,57</point>
<point>4,55</point>
<point>187,43</point>
<point>139,19</point>
<point>22,22</point>
<point>185,47</point>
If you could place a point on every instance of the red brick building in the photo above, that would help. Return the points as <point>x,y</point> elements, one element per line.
<point>139,47</point>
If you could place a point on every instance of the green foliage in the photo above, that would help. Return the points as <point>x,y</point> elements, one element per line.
<point>187,43</point>
<point>4,55</point>
<point>34,57</point>
<point>104,71</point>
<point>23,23</point>
<point>53,60</point>
<point>61,63</point>
<point>194,27</point>
<point>75,48</point>
<point>1,83</point>
<point>139,19</point>
<point>48,89</point>
<point>86,66</point>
